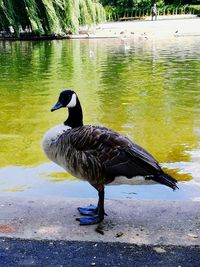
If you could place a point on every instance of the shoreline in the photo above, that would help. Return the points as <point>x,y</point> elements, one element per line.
<point>164,26</point>
<point>160,28</point>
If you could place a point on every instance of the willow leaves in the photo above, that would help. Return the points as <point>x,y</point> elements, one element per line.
<point>39,17</point>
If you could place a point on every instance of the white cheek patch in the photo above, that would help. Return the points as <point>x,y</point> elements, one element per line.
<point>72,102</point>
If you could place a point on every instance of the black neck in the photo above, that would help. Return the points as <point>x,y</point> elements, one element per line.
<point>75,118</point>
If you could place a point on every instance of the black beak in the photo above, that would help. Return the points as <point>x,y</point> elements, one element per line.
<point>57,106</point>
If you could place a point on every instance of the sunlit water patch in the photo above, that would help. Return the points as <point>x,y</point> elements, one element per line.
<point>147,90</point>
<point>50,180</point>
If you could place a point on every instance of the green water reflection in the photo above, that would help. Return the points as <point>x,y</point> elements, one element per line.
<point>148,91</point>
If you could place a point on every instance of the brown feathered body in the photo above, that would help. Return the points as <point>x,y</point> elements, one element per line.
<point>99,155</point>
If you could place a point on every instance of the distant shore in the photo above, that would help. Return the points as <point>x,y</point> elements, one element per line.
<point>164,26</point>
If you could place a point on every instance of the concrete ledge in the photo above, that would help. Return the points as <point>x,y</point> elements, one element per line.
<point>134,222</point>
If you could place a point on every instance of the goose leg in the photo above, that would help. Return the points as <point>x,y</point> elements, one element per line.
<point>96,214</point>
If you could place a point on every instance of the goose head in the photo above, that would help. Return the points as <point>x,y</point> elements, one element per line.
<point>69,99</point>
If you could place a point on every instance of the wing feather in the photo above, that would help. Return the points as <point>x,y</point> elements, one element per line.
<point>115,154</point>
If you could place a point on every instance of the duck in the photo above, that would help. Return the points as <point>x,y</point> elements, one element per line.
<point>98,155</point>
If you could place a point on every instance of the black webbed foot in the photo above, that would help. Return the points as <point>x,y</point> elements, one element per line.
<point>88,220</point>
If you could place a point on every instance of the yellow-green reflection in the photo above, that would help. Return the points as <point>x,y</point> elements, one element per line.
<point>58,177</point>
<point>149,93</point>
<point>15,189</point>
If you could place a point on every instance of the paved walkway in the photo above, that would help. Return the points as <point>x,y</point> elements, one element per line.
<point>15,252</point>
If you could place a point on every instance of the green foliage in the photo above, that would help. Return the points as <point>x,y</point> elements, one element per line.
<point>48,16</point>
<point>100,13</point>
<point>196,9</point>
<point>8,15</point>
<point>85,17</point>
<point>133,3</point>
<point>34,19</point>
<point>111,13</point>
<point>49,19</point>
<point>72,15</point>
<point>83,14</point>
<point>148,3</point>
<point>91,10</point>
<point>124,9</point>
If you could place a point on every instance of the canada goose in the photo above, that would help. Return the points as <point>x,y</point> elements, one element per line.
<point>97,154</point>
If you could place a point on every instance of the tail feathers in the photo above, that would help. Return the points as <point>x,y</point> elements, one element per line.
<point>165,179</point>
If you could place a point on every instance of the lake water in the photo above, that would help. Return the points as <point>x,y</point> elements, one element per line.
<point>148,90</point>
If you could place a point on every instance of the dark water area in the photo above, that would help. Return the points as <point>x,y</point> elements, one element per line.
<point>147,90</point>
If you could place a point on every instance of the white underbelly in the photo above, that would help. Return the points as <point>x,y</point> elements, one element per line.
<point>53,134</point>
<point>50,144</point>
<point>136,180</point>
